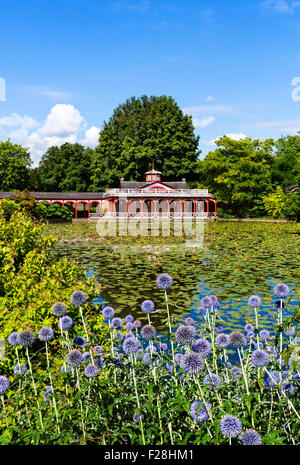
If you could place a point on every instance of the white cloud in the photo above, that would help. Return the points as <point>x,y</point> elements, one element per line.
<point>279,6</point>
<point>289,125</point>
<point>212,142</point>
<point>235,136</point>
<point>209,98</point>
<point>91,136</point>
<point>64,123</point>
<point>45,91</point>
<point>202,123</point>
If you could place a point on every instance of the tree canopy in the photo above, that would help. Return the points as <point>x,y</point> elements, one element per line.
<point>14,166</point>
<point>141,131</point>
<point>286,166</point>
<point>64,169</point>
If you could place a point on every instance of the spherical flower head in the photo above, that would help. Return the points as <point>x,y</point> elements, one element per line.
<point>271,379</point>
<point>192,363</point>
<point>207,302</point>
<point>281,290</point>
<point>237,339</point>
<point>288,388</point>
<point>4,384</point>
<point>80,341</point>
<point>146,358</point>
<point>215,302</point>
<point>99,362</point>
<point>230,426</point>
<point>164,281</point>
<point>199,410</point>
<point>260,358</point>
<point>151,349</point>
<point>97,350</point>
<point>129,335</point>
<point>254,301</point>
<point>86,356</point>
<point>129,319</point>
<point>59,309</point>
<point>184,335</point>
<point>129,326</point>
<point>189,321</point>
<point>65,323</point>
<point>202,347</point>
<point>119,335</point>
<point>178,358</point>
<point>201,310</point>
<point>137,418</point>
<point>137,324</point>
<point>117,323</point>
<point>147,306</point>
<point>249,328</point>
<point>163,347</point>
<point>20,369</point>
<point>148,332</point>
<point>65,369</point>
<point>222,340</point>
<point>250,438</point>
<point>26,338</point>
<point>74,358</point>
<point>91,371</point>
<point>236,372</point>
<point>130,345</point>
<point>108,313</point>
<point>264,334</point>
<point>45,334</point>
<point>78,298</point>
<point>13,339</point>
<point>212,380</point>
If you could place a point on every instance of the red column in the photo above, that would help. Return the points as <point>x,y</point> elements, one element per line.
<point>89,208</point>
<point>115,212</point>
<point>75,209</point>
<point>215,208</point>
<point>194,207</point>
<point>207,207</point>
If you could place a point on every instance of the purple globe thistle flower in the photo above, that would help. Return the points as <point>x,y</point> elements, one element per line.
<point>59,309</point>
<point>130,345</point>
<point>230,426</point>
<point>178,358</point>
<point>117,323</point>
<point>212,380</point>
<point>169,367</point>
<point>189,321</point>
<point>207,302</point>
<point>119,335</point>
<point>192,363</point>
<point>260,358</point>
<point>13,339</point>
<point>108,313</point>
<point>20,369</point>
<point>86,356</point>
<point>236,372</point>
<point>80,341</point>
<point>164,281</point>
<point>215,302</point>
<point>137,324</point>
<point>151,349</point>
<point>184,335</point>
<point>219,328</point>
<point>66,369</point>
<point>237,339</point>
<point>4,384</point>
<point>78,298</point>
<point>163,347</point>
<point>47,393</point>
<point>222,340</point>
<point>288,388</point>
<point>249,328</point>
<point>202,347</point>
<point>286,374</point>
<point>65,323</point>
<point>91,371</point>
<point>200,410</point>
<point>75,358</point>
<point>129,319</point>
<point>137,418</point>
<point>290,331</point>
<point>97,350</point>
<point>99,362</point>
<point>26,338</point>
<point>250,438</point>
<point>281,290</point>
<point>254,301</point>
<point>201,310</point>
<point>148,332</point>
<point>146,359</point>
<point>127,335</point>
<point>147,306</point>
<point>272,379</point>
<point>129,326</point>
<point>45,334</point>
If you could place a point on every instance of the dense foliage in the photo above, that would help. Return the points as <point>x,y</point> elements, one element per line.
<point>141,131</point>
<point>14,166</point>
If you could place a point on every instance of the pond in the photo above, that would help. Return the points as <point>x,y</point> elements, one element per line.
<point>230,260</point>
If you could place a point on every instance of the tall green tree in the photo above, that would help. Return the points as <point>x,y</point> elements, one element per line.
<point>238,172</point>
<point>286,166</point>
<point>141,131</point>
<point>15,162</point>
<point>64,169</point>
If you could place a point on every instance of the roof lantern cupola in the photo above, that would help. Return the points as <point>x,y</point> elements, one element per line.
<point>153,175</point>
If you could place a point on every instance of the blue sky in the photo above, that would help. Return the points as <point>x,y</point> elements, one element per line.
<point>68,64</point>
